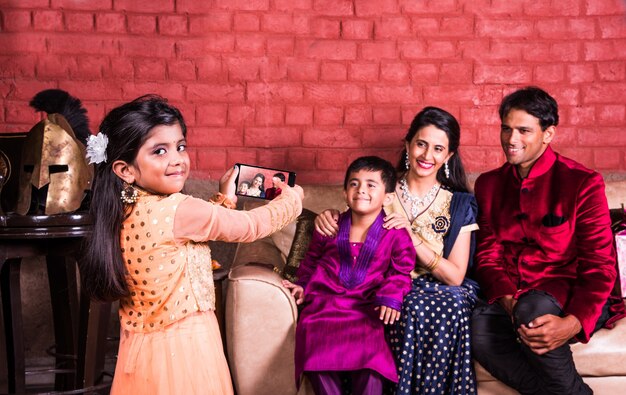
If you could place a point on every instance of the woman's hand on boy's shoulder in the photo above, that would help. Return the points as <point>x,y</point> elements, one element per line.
<point>396,221</point>
<point>388,315</point>
<point>327,223</point>
<point>296,291</point>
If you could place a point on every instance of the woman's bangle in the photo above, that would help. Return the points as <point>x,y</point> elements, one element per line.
<point>432,260</point>
<point>222,200</point>
<point>421,242</point>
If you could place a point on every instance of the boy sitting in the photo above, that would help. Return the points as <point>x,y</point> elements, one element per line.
<point>352,284</point>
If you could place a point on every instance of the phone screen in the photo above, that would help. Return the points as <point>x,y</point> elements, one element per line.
<point>261,182</point>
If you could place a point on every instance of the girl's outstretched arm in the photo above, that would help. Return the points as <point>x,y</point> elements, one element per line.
<point>199,220</point>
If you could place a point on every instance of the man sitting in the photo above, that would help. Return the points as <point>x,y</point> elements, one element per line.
<point>545,258</point>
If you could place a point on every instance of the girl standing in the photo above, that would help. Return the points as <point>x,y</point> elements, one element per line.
<point>149,250</point>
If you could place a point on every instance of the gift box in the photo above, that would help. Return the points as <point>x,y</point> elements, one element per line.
<point>620,242</point>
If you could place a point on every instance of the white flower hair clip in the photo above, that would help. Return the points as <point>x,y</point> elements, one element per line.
<point>97,148</point>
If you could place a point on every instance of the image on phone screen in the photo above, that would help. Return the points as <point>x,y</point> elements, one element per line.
<point>262,182</point>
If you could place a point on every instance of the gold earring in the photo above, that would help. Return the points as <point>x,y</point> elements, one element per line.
<point>129,194</point>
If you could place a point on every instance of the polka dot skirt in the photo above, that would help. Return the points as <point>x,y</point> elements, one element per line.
<point>431,341</point>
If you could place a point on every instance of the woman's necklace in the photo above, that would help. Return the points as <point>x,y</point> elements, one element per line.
<point>418,204</point>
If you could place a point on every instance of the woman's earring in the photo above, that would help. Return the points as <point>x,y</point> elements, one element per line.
<point>446,169</point>
<point>129,194</point>
<point>407,164</point>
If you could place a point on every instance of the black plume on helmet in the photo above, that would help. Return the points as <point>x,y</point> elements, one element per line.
<point>59,101</point>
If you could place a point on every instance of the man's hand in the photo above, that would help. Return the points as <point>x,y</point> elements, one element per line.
<point>548,332</point>
<point>296,291</point>
<point>387,314</point>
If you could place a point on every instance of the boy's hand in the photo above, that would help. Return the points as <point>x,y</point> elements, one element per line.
<point>296,291</point>
<point>326,223</point>
<point>388,315</point>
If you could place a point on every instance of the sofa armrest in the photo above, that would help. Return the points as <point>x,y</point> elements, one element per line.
<point>260,331</point>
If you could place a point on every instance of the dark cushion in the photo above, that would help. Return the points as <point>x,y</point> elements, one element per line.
<point>300,245</point>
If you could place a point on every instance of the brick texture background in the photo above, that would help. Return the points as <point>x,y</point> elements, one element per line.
<point>311,84</point>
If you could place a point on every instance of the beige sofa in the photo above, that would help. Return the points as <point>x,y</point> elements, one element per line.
<point>261,319</point>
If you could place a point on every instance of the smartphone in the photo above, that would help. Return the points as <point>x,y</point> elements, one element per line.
<point>259,182</point>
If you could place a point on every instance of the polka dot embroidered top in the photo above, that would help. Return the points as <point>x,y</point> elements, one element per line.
<point>168,261</point>
<point>431,225</point>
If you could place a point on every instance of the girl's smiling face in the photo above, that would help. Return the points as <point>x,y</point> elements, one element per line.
<point>162,163</point>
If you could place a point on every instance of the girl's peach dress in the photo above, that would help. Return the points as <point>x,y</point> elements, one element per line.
<point>170,341</point>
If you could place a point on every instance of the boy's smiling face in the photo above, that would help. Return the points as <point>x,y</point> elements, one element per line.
<point>365,192</point>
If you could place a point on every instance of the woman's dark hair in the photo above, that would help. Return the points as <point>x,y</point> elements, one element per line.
<point>534,101</point>
<point>443,120</point>
<point>127,127</point>
<point>373,163</point>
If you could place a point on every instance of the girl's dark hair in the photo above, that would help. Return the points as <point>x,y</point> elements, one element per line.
<point>534,101</point>
<point>127,127</point>
<point>441,119</point>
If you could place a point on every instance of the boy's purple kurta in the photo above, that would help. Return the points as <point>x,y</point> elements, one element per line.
<point>338,329</point>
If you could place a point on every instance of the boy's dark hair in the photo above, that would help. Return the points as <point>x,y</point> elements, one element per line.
<point>280,175</point>
<point>534,101</point>
<point>374,163</point>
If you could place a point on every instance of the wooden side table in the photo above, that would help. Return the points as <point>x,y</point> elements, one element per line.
<point>79,324</point>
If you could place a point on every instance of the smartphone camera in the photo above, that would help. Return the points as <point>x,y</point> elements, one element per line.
<point>262,182</point>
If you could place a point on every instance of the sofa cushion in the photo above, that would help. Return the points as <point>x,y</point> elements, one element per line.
<point>304,231</point>
<point>292,241</point>
<point>281,239</point>
<point>605,354</point>
<point>260,331</point>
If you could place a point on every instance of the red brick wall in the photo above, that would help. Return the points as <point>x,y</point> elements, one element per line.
<point>311,84</point>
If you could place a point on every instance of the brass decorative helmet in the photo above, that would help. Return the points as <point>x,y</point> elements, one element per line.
<point>54,176</point>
